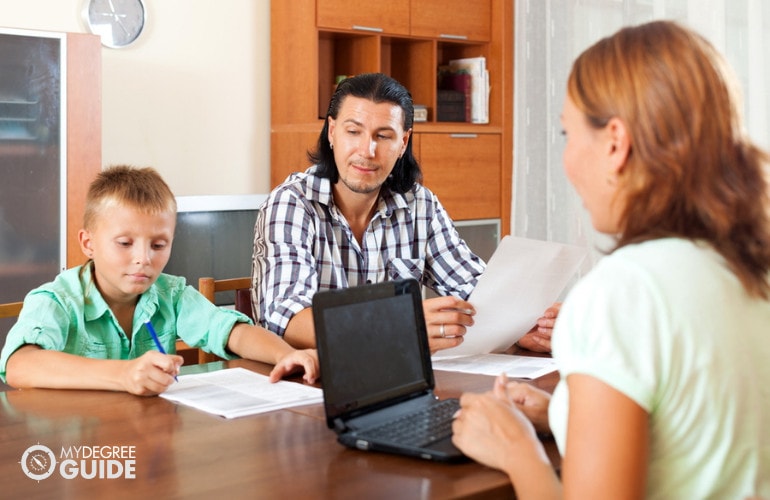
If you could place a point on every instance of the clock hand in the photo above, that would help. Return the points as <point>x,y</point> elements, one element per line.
<point>120,22</point>
<point>117,17</point>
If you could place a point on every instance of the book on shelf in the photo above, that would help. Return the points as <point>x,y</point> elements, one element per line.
<point>476,67</point>
<point>420,113</point>
<point>459,81</point>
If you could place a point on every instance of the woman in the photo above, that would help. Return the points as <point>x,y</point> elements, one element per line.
<point>663,347</point>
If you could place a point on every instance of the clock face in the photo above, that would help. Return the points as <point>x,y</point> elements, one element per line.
<point>118,22</point>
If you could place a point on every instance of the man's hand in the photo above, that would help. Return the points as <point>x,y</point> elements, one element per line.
<point>446,319</point>
<point>538,339</point>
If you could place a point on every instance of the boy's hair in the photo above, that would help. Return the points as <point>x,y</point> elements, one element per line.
<point>140,188</point>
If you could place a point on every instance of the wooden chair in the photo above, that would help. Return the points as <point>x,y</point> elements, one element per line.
<point>209,287</point>
<point>10,310</point>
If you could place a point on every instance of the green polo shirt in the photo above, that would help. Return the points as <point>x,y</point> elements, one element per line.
<point>69,314</point>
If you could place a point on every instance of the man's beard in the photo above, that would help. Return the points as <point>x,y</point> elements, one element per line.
<point>361,187</point>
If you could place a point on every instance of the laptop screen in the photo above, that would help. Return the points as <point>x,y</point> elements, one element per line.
<point>372,345</point>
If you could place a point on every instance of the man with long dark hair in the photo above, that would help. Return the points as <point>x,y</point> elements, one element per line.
<point>361,215</point>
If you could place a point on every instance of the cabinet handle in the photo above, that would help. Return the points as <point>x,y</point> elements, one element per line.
<point>463,136</point>
<point>367,28</point>
<point>453,37</point>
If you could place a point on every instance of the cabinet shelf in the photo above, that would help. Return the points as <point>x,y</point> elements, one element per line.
<point>409,40</point>
<point>412,61</point>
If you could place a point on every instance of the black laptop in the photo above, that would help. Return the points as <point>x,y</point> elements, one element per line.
<point>376,372</point>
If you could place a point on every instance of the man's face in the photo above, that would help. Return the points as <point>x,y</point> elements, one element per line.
<point>367,139</point>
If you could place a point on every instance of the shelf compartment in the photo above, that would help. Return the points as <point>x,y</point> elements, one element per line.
<point>343,54</point>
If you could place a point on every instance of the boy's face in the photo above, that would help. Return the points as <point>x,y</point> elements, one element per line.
<point>129,249</point>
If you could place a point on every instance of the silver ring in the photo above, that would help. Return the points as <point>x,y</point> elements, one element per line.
<point>441,331</point>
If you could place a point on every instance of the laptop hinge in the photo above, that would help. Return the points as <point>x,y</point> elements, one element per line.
<point>339,425</point>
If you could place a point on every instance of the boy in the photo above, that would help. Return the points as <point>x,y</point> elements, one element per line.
<point>86,329</point>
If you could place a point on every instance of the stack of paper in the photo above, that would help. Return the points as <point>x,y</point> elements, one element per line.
<point>477,68</point>
<point>494,364</point>
<point>237,392</point>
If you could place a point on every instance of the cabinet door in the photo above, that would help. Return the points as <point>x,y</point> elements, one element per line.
<point>452,19</point>
<point>391,17</point>
<point>464,170</point>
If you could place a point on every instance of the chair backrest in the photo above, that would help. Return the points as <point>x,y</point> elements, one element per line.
<point>208,287</point>
<point>241,286</point>
<point>10,310</point>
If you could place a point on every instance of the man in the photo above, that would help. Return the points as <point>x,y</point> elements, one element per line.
<point>360,215</point>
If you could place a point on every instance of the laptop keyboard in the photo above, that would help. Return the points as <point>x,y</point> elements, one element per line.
<point>419,428</point>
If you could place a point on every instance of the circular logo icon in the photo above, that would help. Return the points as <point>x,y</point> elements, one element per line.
<point>38,462</point>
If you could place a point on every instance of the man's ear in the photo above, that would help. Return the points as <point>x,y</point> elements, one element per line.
<point>619,145</point>
<point>407,134</point>
<point>330,129</point>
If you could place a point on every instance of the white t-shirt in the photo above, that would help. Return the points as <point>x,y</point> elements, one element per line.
<point>670,326</point>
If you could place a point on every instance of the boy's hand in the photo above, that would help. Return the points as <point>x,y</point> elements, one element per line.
<point>151,373</point>
<point>306,359</point>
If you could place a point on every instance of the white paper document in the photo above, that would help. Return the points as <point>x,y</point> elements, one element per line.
<point>237,392</point>
<point>522,279</point>
<point>495,364</point>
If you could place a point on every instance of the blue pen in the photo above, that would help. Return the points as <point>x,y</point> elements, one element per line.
<point>156,340</point>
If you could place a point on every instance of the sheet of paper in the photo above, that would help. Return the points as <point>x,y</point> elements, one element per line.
<point>237,392</point>
<point>522,279</point>
<point>495,364</point>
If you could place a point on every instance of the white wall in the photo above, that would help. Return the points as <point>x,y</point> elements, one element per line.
<point>191,97</point>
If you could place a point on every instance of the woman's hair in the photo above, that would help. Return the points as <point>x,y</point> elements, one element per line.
<point>140,188</point>
<point>378,88</point>
<point>692,172</point>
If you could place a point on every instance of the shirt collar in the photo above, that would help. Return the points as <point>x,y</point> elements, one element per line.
<point>95,306</point>
<point>319,189</point>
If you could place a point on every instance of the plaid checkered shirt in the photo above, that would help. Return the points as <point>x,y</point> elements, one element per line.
<point>302,244</point>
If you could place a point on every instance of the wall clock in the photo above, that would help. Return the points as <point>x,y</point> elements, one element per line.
<point>118,22</point>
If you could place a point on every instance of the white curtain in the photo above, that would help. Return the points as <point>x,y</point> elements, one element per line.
<point>549,34</point>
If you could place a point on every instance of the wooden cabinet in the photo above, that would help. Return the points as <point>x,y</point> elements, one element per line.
<point>390,17</point>
<point>452,19</point>
<point>464,172</point>
<point>411,39</point>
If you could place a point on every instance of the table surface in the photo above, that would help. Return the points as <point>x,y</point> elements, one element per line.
<point>181,452</point>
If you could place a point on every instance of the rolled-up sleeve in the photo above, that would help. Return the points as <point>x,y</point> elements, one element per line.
<point>199,323</point>
<point>42,322</point>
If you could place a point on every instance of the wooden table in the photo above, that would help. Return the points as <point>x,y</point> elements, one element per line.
<point>181,452</point>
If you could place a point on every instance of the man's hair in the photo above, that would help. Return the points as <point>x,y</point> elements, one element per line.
<point>378,88</point>
<point>140,188</point>
<point>692,172</point>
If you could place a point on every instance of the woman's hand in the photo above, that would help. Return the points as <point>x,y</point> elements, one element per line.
<point>532,402</point>
<point>490,428</point>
